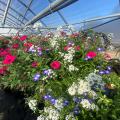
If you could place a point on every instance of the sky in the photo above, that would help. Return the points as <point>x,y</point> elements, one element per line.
<point>79,11</point>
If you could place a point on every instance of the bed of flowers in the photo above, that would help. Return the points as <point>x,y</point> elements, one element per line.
<point>64,77</point>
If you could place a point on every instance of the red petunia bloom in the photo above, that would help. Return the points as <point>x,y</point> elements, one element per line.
<point>4,53</point>
<point>77,48</point>
<point>55,65</point>
<point>35,64</point>
<point>66,48</point>
<point>91,54</point>
<point>15,46</point>
<point>28,44</point>
<point>3,70</point>
<point>9,59</point>
<point>24,37</point>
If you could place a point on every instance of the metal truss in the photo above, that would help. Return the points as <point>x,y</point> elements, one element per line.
<point>28,9</point>
<point>6,12</point>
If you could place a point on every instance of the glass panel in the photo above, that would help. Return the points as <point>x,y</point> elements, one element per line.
<point>15,4</point>
<point>53,20</point>
<point>39,5</point>
<point>81,11</point>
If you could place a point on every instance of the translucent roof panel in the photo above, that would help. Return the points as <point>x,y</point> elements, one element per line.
<point>86,9</point>
<point>22,11</point>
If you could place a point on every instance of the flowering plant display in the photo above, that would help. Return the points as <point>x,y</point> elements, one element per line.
<point>65,72</point>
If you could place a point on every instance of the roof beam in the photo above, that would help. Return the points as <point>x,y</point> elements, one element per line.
<point>13,9</point>
<point>28,9</point>
<point>54,6</point>
<point>12,16</point>
<point>6,12</point>
<point>62,17</point>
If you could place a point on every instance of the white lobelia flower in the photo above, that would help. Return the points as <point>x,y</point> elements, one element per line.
<point>72,89</point>
<point>93,78</point>
<point>59,104</point>
<point>32,104</point>
<point>41,117</point>
<point>72,68</point>
<point>70,117</point>
<point>83,87</point>
<point>85,104</point>
<point>93,94</point>
<point>68,58</point>
<point>53,114</point>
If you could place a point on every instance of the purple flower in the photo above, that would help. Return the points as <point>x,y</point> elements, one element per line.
<point>52,101</point>
<point>36,77</point>
<point>49,97</point>
<point>39,53</point>
<point>45,97</point>
<point>109,67</point>
<point>70,43</point>
<point>66,103</point>
<point>76,110</point>
<point>100,49</point>
<point>45,72</point>
<point>76,100</point>
<point>107,72</point>
<point>101,72</point>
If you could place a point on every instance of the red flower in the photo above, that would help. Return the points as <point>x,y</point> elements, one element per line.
<point>4,53</point>
<point>15,46</point>
<point>16,38</point>
<point>24,37</point>
<point>34,64</point>
<point>9,59</point>
<point>3,69</point>
<point>28,44</point>
<point>66,48</point>
<point>77,48</point>
<point>55,65</point>
<point>91,54</point>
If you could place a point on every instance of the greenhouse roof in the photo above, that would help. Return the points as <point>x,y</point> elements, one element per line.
<point>16,14</point>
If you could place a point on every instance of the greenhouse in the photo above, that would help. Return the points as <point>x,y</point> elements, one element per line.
<point>59,59</point>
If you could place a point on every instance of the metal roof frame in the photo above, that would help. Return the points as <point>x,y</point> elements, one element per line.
<point>53,7</point>
<point>12,16</point>
<point>13,10</point>
<point>6,12</point>
<point>28,9</point>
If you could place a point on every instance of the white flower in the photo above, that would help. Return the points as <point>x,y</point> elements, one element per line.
<point>83,87</point>
<point>93,94</point>
<point>95,79</point>
<point>70,117</point>
<point>41,117</point>
<point>61,54</point>
<point>85,103</point>
<point>72,68</point>
<point>59,104</point>
<point>68,58</point>
<point>73,89</point>
<point>53,114</point>
<point>32,104</point>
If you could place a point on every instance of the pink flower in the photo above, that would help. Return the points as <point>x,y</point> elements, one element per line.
<point>24,37</point>
<point>9,59</point>
<point>34,64</point>
<point>55,65</point>
<point>77,48</point>
<point>3,69</point>
<point>91,54</point>
<point>15,46</point>
<point>5,52</point>
<point>66,48</point>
